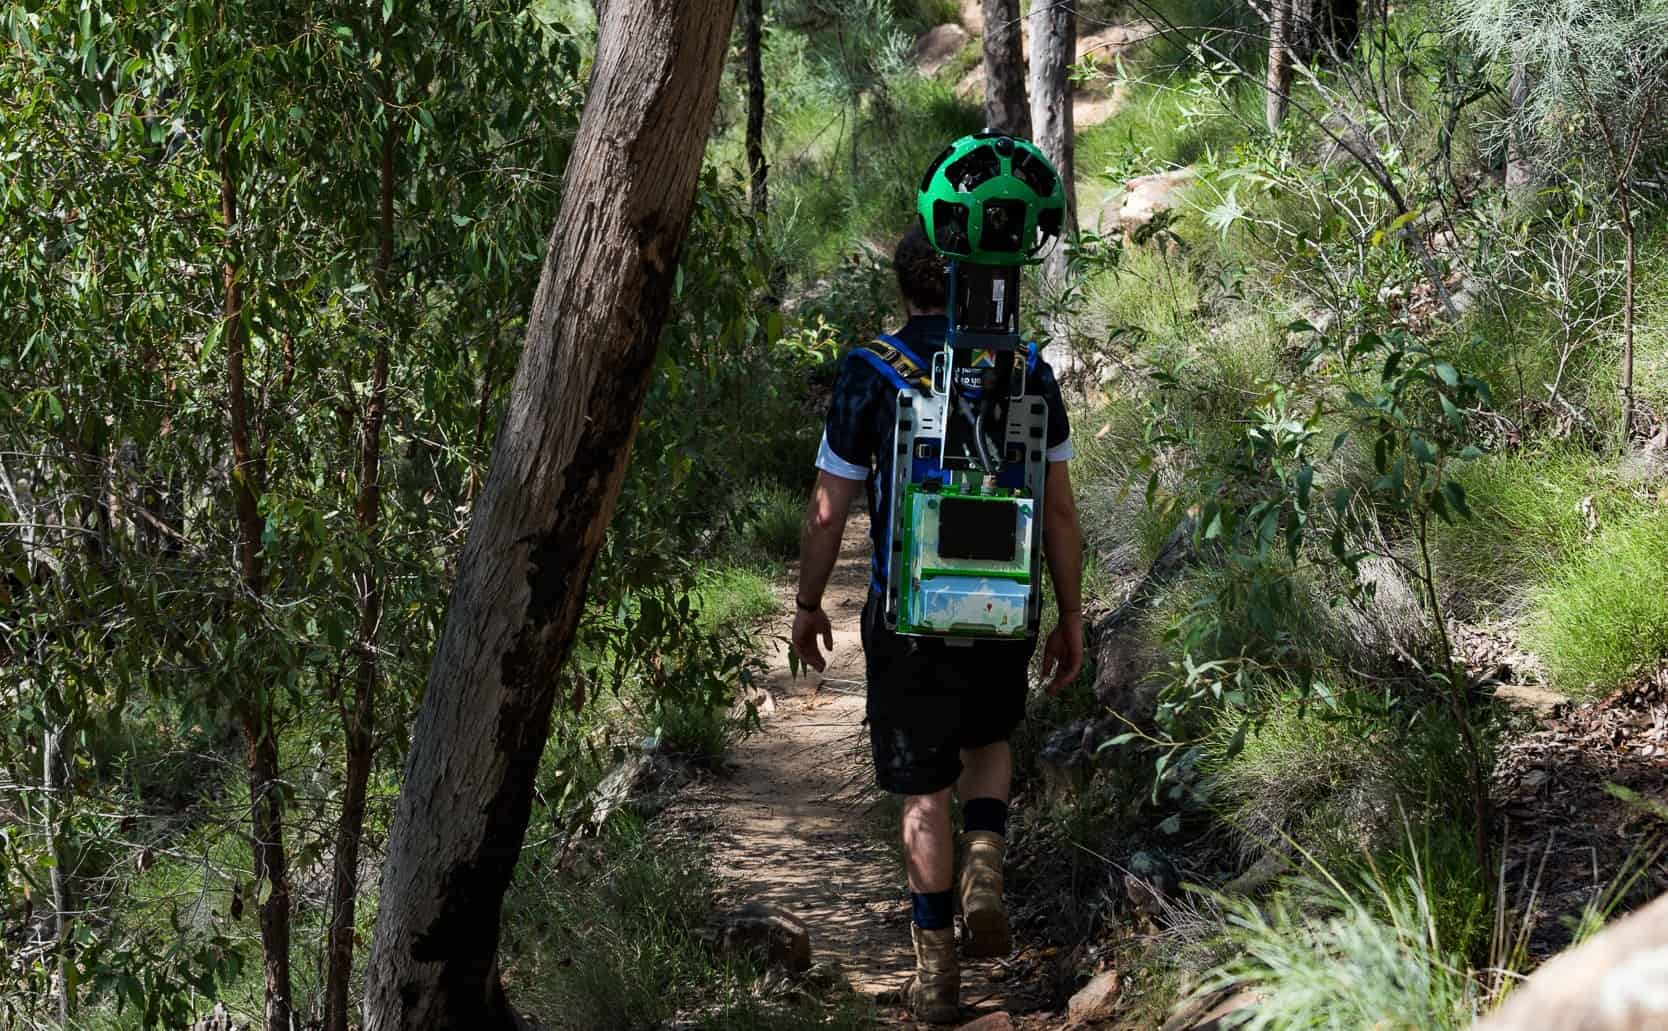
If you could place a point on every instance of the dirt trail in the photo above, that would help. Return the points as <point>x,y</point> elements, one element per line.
<point>797,824</point>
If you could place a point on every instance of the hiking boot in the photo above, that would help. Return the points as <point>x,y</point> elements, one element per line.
<point>935,993</point>
<point>981,893</point>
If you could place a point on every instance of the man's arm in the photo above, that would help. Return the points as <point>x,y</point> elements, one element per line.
<point>1063,548</point>
<point>819,548</point>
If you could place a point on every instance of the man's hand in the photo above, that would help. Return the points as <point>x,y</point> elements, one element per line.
<point>1063,654</point>
<point>808,626</point>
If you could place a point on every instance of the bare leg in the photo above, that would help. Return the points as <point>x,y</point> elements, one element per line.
<point>986,772</point>
<point>929,852</point>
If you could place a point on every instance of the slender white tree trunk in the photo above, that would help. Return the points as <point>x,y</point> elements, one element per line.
<point>1053,51</point>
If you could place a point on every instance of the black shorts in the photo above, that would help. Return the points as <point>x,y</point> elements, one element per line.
<point>929,699</point>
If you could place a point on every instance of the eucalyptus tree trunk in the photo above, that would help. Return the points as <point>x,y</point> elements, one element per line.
<point>758,190</point>
<point>555,476</point>
<point>1279,61</point>
<point>1006,107</point>
<point>1520,169</point>
<point>1053,51</point>
<point>266,804</point>
<point>359,714</point>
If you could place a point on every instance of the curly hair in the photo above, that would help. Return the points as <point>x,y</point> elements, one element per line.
<point>922,277</point>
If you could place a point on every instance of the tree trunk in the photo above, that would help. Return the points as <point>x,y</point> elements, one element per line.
<point>266,804</point>
<point>1279,61</point>
<point>1006,107</point>
<point>359,716</point>
<point>1630,296</point>
<point>53,781</point>
<point>759,191</point>
<point>1520,172</point>
<point>556,474</point>
<point>1053,51</point>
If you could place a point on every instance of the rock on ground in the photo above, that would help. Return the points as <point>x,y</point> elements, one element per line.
<point>768,931</point>
<point>1097,1000</point>
<point>989,1022</point>
<point>1144,197</point>
<point>938,46</point>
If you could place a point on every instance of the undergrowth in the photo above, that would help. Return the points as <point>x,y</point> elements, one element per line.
<point>1602,615</point>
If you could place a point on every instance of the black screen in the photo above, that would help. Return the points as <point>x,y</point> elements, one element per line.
<point>986,531</point>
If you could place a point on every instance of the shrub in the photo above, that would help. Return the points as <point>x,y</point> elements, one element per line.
<point>1603,613</point>
<point>1305,771</point>
<point>771,521</point>
<point>733,598</point>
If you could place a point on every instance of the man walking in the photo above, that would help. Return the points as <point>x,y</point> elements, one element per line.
<point>940,712</point>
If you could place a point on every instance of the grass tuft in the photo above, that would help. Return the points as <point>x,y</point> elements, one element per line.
<point>1603,614</point>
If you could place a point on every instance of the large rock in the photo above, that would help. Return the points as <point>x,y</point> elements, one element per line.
<point>937,46</point>
<point>1097,1000</point>
<point>1618,981</point>
<point>1145,196</point>
<point>769,933</point>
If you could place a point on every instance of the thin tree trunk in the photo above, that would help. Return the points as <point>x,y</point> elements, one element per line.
<point>1630,293</point>
<point>1053,50</point>
<point>52,780</point>
<point>1006,107</point>
<point>1520,171</point>
<point>759,191</point>
<point>1279,61</point>
<point>556,474</point>
<point>359,716</point>
<point>266,804</point>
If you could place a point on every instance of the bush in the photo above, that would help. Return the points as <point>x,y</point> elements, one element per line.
<point>1304,772</point>
<point>771,519</point>
<point>1603,614</point>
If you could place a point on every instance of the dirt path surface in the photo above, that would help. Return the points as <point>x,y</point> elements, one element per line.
<point>800,825</point>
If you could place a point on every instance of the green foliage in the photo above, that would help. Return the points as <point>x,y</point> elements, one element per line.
<point>1602,614</point>
<point>626,946</point>
<point>1534,509</point>
<point>1327,956</point>
<point>733,597</point>
<point>770,521</point>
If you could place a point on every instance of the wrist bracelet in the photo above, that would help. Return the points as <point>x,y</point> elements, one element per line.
<point>800,603</point>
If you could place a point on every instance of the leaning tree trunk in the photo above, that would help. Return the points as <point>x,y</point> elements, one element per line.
<point>1006,107</point>
<point>266,800</point>
<point>1279,61</point>
<point>1053,50</point>
<point>555,477</point>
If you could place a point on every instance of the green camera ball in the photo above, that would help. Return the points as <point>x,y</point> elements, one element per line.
<point>991,199</point>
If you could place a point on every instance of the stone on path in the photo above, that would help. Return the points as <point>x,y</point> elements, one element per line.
<point>1097,1000</point>
<point>938,46</point>
<point>771,932</point>
<point>989,1022</point>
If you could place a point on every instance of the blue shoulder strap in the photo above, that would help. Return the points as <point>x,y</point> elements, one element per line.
<point>896,363</point>
<point>1031,356</point>
<point>887,338</point>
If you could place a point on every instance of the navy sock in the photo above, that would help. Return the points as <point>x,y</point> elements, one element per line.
<point>933,910</point>
<point>985,814</point>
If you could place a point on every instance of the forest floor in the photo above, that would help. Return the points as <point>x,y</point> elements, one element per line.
<point>796,821</point>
